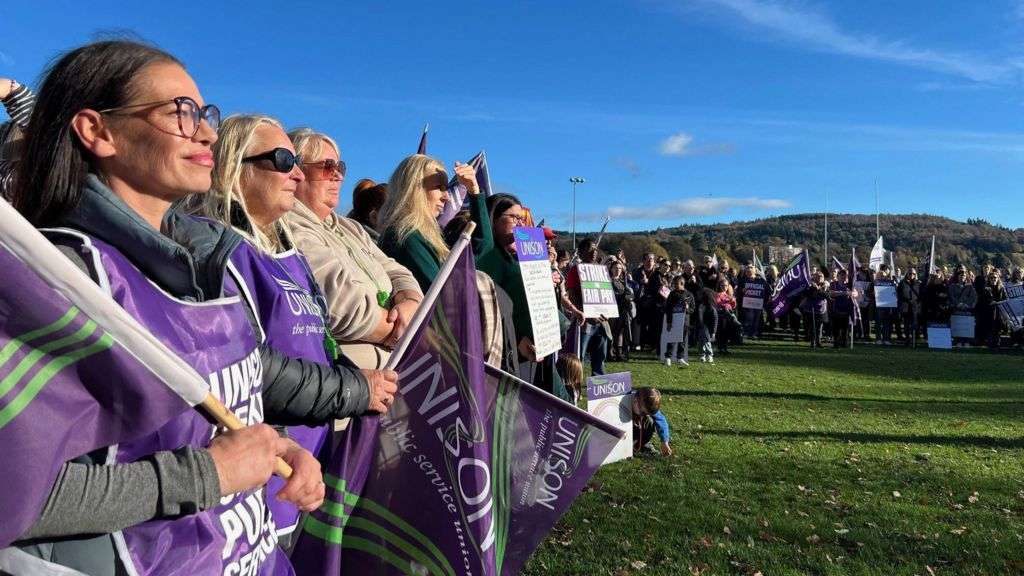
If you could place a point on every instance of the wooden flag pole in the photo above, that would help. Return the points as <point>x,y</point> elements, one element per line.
<point>226,418</point>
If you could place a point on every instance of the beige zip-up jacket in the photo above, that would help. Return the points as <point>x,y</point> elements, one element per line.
<point>350,269</point>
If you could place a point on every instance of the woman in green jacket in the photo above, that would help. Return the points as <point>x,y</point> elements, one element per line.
<point>417,193</point>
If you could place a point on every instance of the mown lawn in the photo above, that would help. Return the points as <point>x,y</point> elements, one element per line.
<point>876,460</point>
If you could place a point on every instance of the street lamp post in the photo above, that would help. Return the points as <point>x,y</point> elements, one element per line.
<point>575,180</point>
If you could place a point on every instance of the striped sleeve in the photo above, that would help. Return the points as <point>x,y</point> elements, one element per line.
<point>19,104</point>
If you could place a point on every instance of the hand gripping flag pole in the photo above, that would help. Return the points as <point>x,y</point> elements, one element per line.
<point>29,246</point>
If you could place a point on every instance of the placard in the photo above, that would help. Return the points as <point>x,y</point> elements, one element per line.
<point>751,303</point>
<point>1011,310</point>
<point>610,399</point>
<point>962,326</point>
<point>940,336</point>
<point>675,334</point>
<point>862,286</point>
<point>596,288</point>
<point>885,295</point>
<point>532,253</point>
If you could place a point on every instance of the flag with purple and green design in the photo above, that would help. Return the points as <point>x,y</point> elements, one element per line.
<point>457,192</point>
<point>77,373</point>
<point>469,469</point>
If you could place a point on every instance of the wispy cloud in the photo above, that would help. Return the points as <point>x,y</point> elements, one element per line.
<point>688,207</point>
<point>814,29</point>
<point>681,144</point>
<point>629,165</point>
<point>6,59</point>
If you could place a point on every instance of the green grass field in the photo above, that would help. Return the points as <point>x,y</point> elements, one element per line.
<point>877,460</point>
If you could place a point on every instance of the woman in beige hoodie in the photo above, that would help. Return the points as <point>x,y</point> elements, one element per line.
<point>370,297</point>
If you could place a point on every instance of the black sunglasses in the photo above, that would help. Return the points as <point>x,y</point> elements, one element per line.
<point>282,158</point>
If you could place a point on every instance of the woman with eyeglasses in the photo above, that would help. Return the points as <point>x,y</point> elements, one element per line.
<point>417,194</point>
<point>255,177</point>
<point>119,132</point>
<point>500,263</point>
<point>370,298</point>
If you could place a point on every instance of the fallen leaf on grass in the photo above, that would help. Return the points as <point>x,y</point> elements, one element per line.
<point>958,531</point>
<point>973,498</point>
<point>638,564</point>
<point>814,539</point>
<point>727,531</point>
<point>842,531</point>
<point>896,494</point>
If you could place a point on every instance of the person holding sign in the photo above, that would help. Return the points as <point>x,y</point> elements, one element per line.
<point>595,332</point>
<point>676,330</point>
<point>752,299</point>
<point>962,300</point>
<point>841,310</point>
<point>505,267</point>
<point>909,294</point>
<point>885,304</point>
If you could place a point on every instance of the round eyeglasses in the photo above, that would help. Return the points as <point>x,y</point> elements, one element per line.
<point>190,114</point>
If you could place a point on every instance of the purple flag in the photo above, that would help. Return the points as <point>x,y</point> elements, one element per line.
<point>422,148</point>
<point>457,192</point>
<point>466,472</point>
<point>791,283</point>
<point>77,373</point>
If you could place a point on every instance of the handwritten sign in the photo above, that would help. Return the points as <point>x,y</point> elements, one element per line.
<point>532,253</point>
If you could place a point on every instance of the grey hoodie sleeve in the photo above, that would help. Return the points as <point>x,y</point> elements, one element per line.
<point>98,499</point>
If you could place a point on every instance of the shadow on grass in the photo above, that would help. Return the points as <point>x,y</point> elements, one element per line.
<point>871,438</point>
<point>942,366</point>
<point>1008,403</point>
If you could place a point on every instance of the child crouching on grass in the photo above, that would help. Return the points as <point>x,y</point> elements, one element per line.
<point>648,420</point>
<point>571,370</point>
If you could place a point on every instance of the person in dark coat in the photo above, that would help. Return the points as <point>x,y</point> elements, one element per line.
<point>814,307</point>
<point>908,295</point>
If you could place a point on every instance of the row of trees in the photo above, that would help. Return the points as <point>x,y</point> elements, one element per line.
<point>971,243</point>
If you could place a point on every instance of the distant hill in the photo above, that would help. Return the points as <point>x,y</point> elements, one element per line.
<point>973,242</point>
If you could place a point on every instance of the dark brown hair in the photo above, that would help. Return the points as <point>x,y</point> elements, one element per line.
<point>54,164</point>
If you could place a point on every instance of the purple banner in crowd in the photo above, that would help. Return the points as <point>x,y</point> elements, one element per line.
<point>791,283</point>
<point>608,385</point>
<point>67,387</point>
<point>465,473</point>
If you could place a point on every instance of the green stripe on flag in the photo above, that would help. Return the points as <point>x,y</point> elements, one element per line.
<point>364,545</point>
<point>396,541</point>
<point>354,500</point>
<point>11,347</point>
<point>596,284</point>
<point>33,357</point>
<point>43,377</point>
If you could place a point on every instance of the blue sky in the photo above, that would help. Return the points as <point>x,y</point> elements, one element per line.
<point>674,111</point>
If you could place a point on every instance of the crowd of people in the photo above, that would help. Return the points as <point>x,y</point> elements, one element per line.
<point>141,184</point>
<point>720,305</point>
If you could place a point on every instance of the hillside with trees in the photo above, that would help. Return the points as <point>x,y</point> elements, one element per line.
<point>909,235</point>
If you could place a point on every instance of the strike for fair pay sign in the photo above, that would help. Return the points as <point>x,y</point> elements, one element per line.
<point>598,296</point>
<point>532,253</point>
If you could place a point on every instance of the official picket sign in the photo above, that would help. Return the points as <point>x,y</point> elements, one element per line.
<point>962,325</point>
<point>598,296</point>
<point>610,400</point>
<point>940,337</point>
<point>532,253</point>
<point>885,294</point>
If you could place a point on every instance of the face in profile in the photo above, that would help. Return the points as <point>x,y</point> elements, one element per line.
<point>435,186</point>
<point>269,193</point>
<point>158,151</point>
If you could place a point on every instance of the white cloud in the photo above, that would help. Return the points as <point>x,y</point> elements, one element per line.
<point>681,144</point>
<point>676,145</point>
<point>817,31</point>
<point>688,207</point>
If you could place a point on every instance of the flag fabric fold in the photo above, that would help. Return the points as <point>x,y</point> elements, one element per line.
<point>877,255</point>
<point>466,472</point>
<point>791,284</point>
<point>77,373</point>
<point>457,192</point>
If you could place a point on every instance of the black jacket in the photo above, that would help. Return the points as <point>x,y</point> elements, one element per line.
<point>188,261</point>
